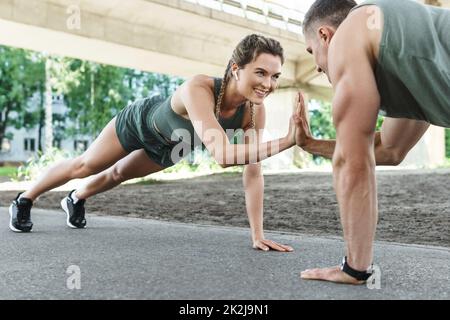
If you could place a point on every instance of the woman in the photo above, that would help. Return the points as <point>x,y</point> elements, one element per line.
<point>151,134</point>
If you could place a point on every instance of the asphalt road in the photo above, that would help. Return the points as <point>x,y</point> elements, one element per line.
<point>129,258</point>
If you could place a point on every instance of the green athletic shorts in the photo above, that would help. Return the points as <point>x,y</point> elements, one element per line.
<point>136,130</point>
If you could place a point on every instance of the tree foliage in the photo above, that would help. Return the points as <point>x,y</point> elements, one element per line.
<point>20,78</point>
<point>93,93</point>
<point>321,121</point>
<point>101,91</point>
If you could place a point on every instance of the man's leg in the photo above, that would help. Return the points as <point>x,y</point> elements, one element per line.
<point>397,137</point>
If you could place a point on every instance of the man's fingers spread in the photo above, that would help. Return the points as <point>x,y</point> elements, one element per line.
<point>305,275</point>
<point>310,274</point>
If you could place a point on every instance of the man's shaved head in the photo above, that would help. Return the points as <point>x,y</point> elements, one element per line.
<point>331,12</point>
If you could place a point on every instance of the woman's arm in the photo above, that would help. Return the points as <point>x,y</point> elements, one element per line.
<point>199,102</point>
<point>254,194</point>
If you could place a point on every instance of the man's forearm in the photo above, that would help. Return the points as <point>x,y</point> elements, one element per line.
<point>357,196</point>
<point>322,148</point>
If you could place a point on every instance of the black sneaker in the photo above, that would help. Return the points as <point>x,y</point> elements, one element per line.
<point>75,212</point>
<point>19,213</point>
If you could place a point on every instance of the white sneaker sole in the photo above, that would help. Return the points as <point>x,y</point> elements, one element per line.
<point>10,221</point>
<point>66,210</point>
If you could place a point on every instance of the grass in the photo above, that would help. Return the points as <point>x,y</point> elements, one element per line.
<point>7,171</point>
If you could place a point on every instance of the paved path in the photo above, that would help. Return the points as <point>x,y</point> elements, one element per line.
<point>128,258</point>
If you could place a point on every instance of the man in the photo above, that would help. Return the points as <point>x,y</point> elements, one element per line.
<point>383,55</point>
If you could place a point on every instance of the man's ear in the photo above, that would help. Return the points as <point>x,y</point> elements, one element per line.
<point>326,33</point>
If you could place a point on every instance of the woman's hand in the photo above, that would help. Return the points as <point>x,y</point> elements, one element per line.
<point>292,131</point>
<point>303,134</point>
<point>266,245</point>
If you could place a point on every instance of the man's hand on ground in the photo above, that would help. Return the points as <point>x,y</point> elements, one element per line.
<point>333,274</point>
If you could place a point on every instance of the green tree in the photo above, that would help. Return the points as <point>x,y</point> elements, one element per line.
<point>54,77</point>
<point>58,77</point>
<point>321,123</point>
<point>20,77</point>
<point>94,93</point>
<point>95,96</point>
<point>321,120</point>
<point>161,84</point>
<point>100,91</point>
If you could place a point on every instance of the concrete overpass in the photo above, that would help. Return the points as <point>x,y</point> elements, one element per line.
<point>174,37</point>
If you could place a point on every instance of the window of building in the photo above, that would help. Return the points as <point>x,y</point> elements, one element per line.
<point>80,145</point>
<point>29,144</point>
<point>6,145</point>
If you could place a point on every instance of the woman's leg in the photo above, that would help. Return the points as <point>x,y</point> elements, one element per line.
<point>103,153</point>
<point>137,164</point>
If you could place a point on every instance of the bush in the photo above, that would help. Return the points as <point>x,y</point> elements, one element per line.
<point>39,163</point>
<point>7,171</point>
<point>199,162</point>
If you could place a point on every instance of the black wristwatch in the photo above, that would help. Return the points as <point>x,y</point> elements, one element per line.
<point>358,275</point>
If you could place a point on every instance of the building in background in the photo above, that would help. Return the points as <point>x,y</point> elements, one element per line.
<point>25,142</point>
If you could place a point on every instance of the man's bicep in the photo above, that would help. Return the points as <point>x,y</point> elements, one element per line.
<point>355,108</point>
<point>357,101</point>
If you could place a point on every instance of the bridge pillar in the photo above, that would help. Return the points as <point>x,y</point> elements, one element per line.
<point>279,108</point>
<point>430,151</point>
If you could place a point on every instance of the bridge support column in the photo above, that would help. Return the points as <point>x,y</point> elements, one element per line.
<point>279,109</point>
<point>430,151</point>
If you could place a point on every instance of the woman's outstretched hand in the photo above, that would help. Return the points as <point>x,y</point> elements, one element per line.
<point>292,131</point>
<point>266,245</point>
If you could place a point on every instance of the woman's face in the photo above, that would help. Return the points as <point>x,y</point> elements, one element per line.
<point>259,78</point>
